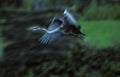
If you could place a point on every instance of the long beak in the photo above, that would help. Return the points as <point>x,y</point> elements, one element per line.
<point>78,36</point>
<point>82,33</point>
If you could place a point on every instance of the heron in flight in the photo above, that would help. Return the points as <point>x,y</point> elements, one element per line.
<point>65,25</point>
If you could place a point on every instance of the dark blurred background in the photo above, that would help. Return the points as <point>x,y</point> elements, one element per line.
<point>95,55</point>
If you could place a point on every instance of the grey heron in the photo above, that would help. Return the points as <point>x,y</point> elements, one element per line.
<point>59,26</point>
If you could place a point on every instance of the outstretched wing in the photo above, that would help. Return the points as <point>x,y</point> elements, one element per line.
<point>72,23</point>
<point>70,19</point>
<point>50,37</point>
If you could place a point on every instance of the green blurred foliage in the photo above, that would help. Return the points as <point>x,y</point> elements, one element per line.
<point>101,12</point>
<point>101,33</point>
<point>27,4</point>
<point>84,62</point>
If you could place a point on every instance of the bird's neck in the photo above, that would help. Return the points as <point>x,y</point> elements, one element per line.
<point>51,31</point>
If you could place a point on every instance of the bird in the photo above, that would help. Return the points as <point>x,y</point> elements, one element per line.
<point>65,25</point>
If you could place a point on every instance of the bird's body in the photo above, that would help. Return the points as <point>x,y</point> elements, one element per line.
<point>58,27</point>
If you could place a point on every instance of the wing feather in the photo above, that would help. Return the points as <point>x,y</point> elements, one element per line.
<point>49,38</point>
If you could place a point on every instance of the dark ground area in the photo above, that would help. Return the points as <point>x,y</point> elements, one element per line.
<point>77,61</point>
